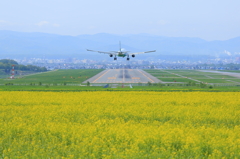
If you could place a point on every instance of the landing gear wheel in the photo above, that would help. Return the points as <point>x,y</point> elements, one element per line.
<point>115,58</point>
<point>128,58</point>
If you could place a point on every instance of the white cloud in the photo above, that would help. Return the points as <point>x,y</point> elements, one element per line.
<point>92,27</point>
<point>161,22</point>
<point>46,23</point>
<point>56,25</point>
<point>2,21</point>
<point>42,23</point>
<point>227,52</point>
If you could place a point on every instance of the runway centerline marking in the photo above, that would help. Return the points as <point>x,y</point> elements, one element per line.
<point>123,76</point>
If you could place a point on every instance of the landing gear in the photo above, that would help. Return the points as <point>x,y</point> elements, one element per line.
<point>115,58</point>
<point>128,58</point>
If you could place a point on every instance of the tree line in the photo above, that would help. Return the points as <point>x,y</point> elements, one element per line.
<point>6,65</point>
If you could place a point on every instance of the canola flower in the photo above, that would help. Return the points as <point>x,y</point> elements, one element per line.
<point>119,124</point>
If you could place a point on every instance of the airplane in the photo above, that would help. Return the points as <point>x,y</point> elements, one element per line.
<point>121,53</point>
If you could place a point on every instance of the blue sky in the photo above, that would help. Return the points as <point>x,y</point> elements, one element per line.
<point>207,19</point>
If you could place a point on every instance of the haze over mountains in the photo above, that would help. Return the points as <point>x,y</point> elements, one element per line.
<point>43,45</point>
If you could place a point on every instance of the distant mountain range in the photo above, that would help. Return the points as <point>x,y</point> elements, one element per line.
<point>43,45</point>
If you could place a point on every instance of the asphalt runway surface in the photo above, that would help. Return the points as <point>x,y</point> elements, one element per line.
<point>123,76</point>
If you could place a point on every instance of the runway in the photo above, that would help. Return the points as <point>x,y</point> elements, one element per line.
<point>233,74</point>
<point>123,76</point>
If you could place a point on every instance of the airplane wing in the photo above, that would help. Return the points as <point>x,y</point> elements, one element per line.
<point>141,52</point>
<point>102,52</point>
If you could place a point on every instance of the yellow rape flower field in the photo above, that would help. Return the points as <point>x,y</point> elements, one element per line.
<point>119,124</point>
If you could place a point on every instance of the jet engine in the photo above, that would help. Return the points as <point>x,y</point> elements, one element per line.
<point>133,55</point>
<point>111,55</point>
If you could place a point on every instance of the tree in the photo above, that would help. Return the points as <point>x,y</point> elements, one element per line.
<point>88,83</point>
<point>202,85</point>
<point>7,65</point>
<point>8,61</point>
<point>149,83</point>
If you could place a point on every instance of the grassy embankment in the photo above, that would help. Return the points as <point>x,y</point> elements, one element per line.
<point>193,76</point>
<point>70,80</point>
<point>55,77</point>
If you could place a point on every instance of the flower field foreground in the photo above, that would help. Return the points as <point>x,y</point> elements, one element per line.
<point>119,125</point>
